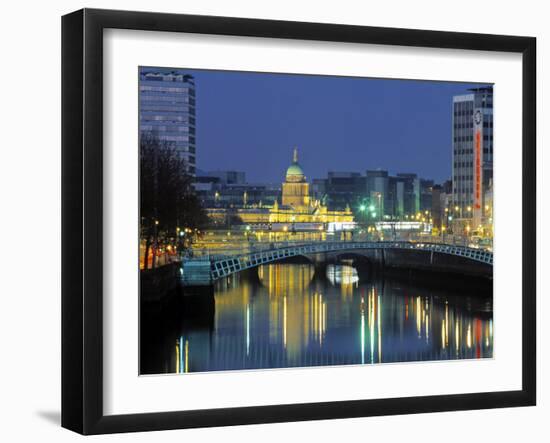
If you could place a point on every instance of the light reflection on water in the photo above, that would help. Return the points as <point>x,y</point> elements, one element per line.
<point>290,317</point>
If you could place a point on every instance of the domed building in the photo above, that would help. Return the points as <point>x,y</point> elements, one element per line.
<point>295,189</point>
<point>296,212</point>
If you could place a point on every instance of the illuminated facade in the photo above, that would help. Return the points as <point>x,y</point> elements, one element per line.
<point>473,154</point>
<point>295,189</point>
<point>297,211</point>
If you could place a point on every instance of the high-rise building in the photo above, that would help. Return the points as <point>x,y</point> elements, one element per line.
<point>472,153</point>
<point>167,110</point>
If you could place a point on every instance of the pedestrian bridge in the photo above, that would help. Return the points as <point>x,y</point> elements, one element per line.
<point>203,271</point>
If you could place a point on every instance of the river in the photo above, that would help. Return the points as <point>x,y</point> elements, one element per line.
<point>287,315</point>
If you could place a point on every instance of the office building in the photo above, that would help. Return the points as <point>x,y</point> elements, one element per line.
<point>472,154</point>
<point>340,189</point>
<point>426,190</point>
<point>167,110</point>
<point>378,190</point>
<point>408,193</point>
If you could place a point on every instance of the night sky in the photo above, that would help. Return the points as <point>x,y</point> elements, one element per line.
<point>251,122</point>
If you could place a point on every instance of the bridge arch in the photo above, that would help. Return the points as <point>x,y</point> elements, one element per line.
<point>421,256</point>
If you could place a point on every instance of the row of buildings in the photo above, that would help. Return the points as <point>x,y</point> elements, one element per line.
<point>390,197</point>
<point>464,203</point>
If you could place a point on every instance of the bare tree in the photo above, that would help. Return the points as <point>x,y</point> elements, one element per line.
<point>168,203</point>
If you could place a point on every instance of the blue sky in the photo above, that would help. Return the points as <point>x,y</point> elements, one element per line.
<point>252,121</point>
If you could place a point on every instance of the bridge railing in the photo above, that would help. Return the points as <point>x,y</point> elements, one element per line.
<point>337,245</point>
<point>223,265</point>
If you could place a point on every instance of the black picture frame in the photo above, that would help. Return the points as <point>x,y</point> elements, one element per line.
<point>82,220</point>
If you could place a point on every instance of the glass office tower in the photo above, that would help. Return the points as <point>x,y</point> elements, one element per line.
<point>167,109</point>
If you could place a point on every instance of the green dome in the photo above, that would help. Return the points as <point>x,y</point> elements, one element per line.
<point>294,170</point>
<point>294,173</point>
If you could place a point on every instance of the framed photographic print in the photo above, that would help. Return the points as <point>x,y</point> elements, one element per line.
<point>269,221</point>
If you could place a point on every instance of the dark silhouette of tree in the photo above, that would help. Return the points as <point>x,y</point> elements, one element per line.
<point>168,204</point>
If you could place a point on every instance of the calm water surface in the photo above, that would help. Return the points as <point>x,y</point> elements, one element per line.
<point>284,315</point>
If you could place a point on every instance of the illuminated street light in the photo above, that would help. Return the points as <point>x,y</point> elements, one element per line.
<point>362,208</point>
